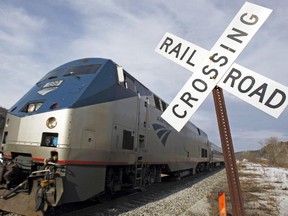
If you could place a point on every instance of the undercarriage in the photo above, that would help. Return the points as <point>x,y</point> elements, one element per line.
<point>28,188</point>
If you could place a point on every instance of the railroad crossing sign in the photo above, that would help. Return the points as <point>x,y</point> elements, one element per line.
<point>214,68</point>
<point>257,90</point>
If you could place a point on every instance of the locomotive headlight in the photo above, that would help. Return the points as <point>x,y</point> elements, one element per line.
<point>31,108</point>
<point>38,105</point>
<point>51,122</point>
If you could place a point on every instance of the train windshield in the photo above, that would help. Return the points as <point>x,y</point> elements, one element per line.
<point>72,71</point>
<point>79,70</point>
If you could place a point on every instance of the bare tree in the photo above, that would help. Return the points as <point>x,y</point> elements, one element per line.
<point>3,113</point>
<point>275,151</point>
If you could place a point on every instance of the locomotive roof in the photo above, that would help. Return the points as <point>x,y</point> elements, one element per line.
<point>67,69</point>
<point>74,84</point>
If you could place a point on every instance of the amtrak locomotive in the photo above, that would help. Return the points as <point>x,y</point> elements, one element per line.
<point>87,128</point>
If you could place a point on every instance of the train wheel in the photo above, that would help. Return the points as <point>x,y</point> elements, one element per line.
<point>106,196</point>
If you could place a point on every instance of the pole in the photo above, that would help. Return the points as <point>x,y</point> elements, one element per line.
<point>228,153</point>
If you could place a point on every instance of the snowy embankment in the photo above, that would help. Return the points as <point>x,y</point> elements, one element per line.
<point>272,184</point>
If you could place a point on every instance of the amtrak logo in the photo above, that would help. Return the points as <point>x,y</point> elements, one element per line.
<point>162,132</point>
<point>50,86</point>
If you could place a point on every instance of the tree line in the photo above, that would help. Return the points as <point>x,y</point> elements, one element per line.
<point>3,113</point>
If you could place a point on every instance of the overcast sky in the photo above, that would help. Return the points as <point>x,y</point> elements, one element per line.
<point>37,36</point>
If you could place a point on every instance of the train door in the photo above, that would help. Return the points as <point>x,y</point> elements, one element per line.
<point>126,115</point>
<point>142,124</point>
<point>143,102</point>
<point>137,109</point>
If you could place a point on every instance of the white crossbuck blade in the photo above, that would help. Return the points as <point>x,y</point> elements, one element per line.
<point>210,68</point>
<point>257,90</point>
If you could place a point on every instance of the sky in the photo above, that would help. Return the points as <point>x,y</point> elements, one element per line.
<point>38,36</point>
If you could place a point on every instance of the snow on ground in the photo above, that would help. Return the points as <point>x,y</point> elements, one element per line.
<point>275,182</point>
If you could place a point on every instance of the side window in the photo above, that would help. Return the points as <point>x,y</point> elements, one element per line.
<point>157,102</point>
<point>142,90</point>
<point>199,131</point>
<point>164,105</point>
<point>161,105</point>
<point>129,83</point>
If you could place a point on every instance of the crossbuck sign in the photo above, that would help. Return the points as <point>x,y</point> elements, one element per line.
<point>216,68</point>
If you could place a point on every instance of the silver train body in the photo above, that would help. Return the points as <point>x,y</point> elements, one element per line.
<point>89,127</point>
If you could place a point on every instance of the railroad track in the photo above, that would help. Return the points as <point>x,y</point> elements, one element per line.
<point>130,201</point>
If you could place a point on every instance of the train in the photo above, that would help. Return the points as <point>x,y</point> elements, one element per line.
<point>89,128</point>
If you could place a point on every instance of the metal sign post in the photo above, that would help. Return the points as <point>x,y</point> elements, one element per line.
<point>228,153</point>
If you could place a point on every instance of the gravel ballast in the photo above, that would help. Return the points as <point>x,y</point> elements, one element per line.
<point>190,201</point>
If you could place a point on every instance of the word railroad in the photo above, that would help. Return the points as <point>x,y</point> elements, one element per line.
<point>217,67</point>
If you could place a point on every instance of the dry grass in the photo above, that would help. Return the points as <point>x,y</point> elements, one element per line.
<point>250,175</point>
<point>253,193</point>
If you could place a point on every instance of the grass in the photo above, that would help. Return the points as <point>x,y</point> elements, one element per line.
<point>256,200</point>
<point>250,175</point>
<point>255,194</point>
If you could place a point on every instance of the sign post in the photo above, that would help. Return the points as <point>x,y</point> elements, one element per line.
<point>228,153</point>
<point>217,68</point>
